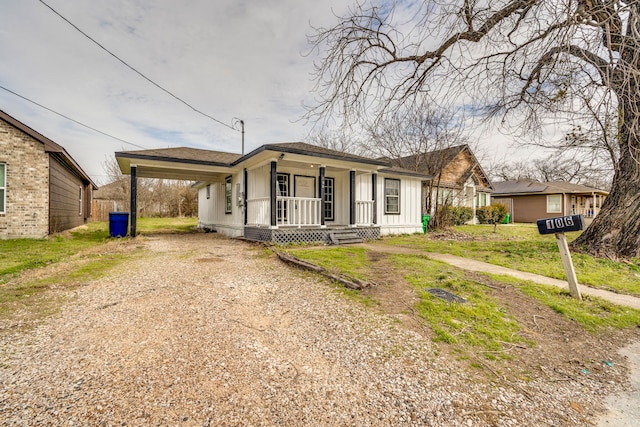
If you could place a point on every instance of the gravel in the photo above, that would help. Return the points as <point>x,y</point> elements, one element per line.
<point>206,331</point>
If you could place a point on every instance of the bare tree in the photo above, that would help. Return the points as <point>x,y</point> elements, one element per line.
<point>554,168</point>
<point>156,197</point>
<point>417,137</point>
<point>522,60</point>
<point>343,140</point>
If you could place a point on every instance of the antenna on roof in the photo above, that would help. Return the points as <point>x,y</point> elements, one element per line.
<point>237,120</point>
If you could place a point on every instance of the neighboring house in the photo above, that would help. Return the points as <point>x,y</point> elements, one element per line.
<point>458,178</point>
<point>290,192</point>
<point>112,197</point>
<point>528,201</point>
<point>42,189</point>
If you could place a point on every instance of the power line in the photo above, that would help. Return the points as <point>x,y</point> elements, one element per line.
<point>136,71</point>
<point>69,118</point>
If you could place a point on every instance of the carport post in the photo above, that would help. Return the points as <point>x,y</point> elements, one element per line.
<point>273,180</point>
<point>321,187</point>
<point>134,198</point>
<point>352,198</point>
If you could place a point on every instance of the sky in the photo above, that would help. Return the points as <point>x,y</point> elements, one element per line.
<point>231,59</point>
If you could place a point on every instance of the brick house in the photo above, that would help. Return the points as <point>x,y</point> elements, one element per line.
<point>42,189</point>
<point>458,178</point>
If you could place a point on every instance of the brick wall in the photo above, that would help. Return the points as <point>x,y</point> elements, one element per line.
<point>27,185</point>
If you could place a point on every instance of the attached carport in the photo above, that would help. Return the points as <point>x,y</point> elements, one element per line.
<point>185,164</point>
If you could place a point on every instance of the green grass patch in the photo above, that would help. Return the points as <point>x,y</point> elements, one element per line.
<point>480,322</point>
<point>521,247</point>
<point>22,254</point>
<point>166,225</point>
<point>592,313</point>
<point>343,259</point>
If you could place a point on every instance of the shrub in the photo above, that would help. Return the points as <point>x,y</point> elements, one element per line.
<point>461,214</point>
<point>443,217</point>
<point>493,214</point>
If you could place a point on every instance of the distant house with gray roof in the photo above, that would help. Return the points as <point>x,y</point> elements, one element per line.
<point>528,200</point>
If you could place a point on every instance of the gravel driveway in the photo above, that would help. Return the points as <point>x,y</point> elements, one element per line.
<point>204,330</point>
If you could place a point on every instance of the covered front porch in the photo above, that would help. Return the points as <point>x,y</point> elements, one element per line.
<point>295,199</point>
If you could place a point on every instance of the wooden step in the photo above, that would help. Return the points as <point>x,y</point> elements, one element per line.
<point>344,237</point>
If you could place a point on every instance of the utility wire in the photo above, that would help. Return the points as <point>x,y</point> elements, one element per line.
<point>136,71</point>
<point>69,118</point>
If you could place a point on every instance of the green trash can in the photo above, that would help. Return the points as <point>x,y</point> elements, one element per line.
<point>506,219</point>
<point>425,222</point>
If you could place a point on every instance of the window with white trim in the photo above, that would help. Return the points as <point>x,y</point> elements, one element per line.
<point>228,200</point>
<point>482,199</point>
<point>3,179</point>
<point>391,196</point>
<point>554,203</point>
<point>208,190</point>
<point>80,201</point>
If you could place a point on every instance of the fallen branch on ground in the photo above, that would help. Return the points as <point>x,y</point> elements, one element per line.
<point>349,282</point>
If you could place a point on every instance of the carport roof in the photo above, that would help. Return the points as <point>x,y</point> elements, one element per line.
<point>183,155</point>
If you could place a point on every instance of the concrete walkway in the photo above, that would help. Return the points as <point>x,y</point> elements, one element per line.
<point>484,267</point>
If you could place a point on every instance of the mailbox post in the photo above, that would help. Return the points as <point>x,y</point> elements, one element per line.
<point>558,226</point>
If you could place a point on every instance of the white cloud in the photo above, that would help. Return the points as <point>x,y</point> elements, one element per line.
<point>227,58</point>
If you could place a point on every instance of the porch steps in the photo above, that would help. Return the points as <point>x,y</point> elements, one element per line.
<point>344,237</point>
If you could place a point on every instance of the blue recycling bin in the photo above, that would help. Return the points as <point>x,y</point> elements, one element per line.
<point>118,223</point>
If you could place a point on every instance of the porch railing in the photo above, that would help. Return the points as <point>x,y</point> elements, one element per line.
<point>364,212</point>
<point>258,212</point>
<point>298,211</point>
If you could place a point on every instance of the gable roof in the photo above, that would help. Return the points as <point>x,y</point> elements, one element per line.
<point>313,150</point>
<point>51,147</point>
<point>525,187</point>
<point>433,162</point>
<point>209,158</point>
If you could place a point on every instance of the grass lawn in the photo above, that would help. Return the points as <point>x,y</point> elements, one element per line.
<point>522,248</point>
<point>483,322</point>
<point>17,255</point>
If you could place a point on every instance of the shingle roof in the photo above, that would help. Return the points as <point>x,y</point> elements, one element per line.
<point>49,146</point>
<point>199,156</point>
<point>315,150</point>
<point>431,162</point>
<point>187,154</point>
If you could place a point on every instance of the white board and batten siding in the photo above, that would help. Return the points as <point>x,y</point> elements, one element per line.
<point>211,209</point>
<point>409,220</point>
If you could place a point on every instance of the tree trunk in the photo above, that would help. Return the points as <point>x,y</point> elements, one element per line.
<point>615,231</point>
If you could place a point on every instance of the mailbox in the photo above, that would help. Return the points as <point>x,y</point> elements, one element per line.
<point>560,224</point>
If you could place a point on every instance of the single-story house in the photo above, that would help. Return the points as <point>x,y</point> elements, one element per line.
<point>290,192</point>
<point>42,189</point>
<point>529,201</point>
<point>458,179</point>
